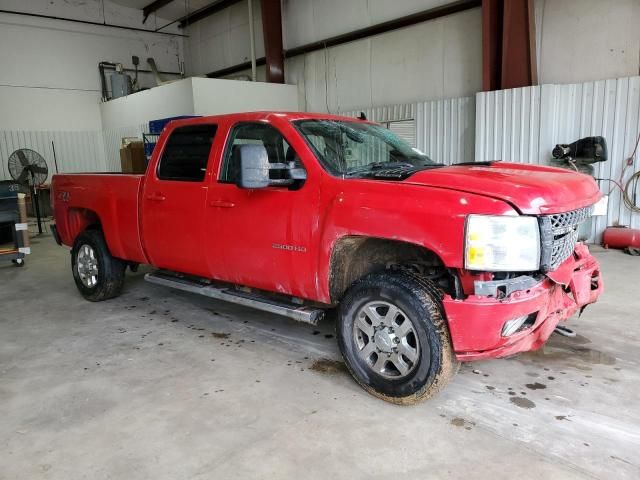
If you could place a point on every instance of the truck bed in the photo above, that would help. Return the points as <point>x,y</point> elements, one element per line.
<point>110,199</point>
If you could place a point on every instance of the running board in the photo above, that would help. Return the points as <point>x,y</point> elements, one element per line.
<point>300,313</point>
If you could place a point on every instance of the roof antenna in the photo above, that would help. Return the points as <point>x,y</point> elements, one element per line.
<point>362,116</point>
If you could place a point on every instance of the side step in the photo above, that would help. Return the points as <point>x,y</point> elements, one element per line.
<point>300,313</point>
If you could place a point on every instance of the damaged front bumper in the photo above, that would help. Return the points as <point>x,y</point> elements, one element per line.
<point>477,323</point>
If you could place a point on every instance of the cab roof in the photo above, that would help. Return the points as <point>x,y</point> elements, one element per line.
<point>265,115</point>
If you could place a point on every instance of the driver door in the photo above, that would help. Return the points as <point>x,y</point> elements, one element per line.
<point>263,237</point>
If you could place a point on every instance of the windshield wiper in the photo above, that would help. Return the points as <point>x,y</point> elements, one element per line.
<point>372,167</point>
<point>486,163</point>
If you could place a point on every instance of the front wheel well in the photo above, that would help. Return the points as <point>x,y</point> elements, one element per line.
<point>354,257</point>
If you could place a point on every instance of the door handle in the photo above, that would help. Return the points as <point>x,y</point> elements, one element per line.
<point>221,204</point>
<point>156,197</point>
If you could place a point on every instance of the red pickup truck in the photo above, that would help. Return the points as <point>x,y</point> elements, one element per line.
<point>295,213</point>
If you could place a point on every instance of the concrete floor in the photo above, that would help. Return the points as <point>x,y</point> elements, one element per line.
<point>162,384</point>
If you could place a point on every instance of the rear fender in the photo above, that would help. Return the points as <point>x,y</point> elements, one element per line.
<point>79,220</point>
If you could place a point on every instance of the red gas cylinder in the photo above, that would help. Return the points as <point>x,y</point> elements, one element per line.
<point>621,237</point>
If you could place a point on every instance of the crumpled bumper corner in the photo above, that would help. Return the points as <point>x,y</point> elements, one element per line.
<point>476,322</point>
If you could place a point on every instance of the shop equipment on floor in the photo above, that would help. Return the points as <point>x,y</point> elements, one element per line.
<point>13,224</point>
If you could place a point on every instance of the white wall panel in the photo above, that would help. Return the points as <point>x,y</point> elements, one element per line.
<point>586,40</point>
<point>523,125</point>
<point>75,151</point>
<point>49,77</point>
<point>306,21</point>
<point>508,125</point>
<point>435,59</point>
<point>111,140</point>
<point>387,113</point>
<point>445,129</point>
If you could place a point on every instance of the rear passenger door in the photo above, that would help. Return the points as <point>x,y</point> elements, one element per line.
<point>173,201</point>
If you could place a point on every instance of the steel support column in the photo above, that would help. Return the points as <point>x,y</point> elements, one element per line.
<point>518,45</point>
<point>508,44</point>
<point>491,44</point>
<point>272,33</point>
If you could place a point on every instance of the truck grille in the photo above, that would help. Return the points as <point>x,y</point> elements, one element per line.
<point>558,236</point>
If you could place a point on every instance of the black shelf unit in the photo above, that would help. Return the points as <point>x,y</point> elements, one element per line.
<point>9,220</point>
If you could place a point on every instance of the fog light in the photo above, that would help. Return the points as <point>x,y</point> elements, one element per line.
<point>512,326</point>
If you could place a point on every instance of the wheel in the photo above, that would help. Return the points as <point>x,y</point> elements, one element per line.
<point>97,274</point>
<point>394,338</point>
<point>18,262</point>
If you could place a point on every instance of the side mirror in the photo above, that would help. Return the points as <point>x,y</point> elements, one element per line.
<point>296,172</point>
<point>254,167</point>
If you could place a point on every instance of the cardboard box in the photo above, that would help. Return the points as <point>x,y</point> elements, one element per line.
<point>132,159</point>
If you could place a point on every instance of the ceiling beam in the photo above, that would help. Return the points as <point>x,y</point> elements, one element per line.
<point>205,12</point>
<point>88,22</point>
<point>152,7</point>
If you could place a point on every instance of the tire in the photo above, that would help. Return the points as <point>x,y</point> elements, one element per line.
<point>423,361</point>
<point>101,276</point>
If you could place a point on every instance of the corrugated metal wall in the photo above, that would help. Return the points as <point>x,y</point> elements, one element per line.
<point>389,113</point>
<point>445,129</point>
<point>523,125</point>
<point>508,125</point>
<point>75,151</point>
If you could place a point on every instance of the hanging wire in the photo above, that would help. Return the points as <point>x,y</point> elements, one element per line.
<point>629,194</point>
<point>628,189</point>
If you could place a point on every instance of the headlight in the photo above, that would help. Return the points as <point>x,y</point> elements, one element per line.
<point>502,243</point>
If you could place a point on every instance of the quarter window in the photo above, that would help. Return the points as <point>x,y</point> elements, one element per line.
<point>186,153</point>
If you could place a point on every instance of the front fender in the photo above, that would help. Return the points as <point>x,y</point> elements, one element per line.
<point>430,217</point>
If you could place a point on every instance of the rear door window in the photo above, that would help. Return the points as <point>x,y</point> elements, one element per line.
<point>186,153</point>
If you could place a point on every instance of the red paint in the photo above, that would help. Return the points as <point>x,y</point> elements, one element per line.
<point>220,231</point>
<point>476,322</point>
<point>621,237</point>
<point>111,198</point>
<point>531,189</point>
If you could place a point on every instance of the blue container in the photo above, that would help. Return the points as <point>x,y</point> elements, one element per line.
<point>156,126</point>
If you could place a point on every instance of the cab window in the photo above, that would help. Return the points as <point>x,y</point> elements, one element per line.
<point>186,153</point>
<point>278,150</point>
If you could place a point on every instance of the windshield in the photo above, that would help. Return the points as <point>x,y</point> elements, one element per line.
<point>360,149</point>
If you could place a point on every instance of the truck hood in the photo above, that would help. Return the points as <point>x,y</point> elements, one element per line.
<point>531,189</point>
